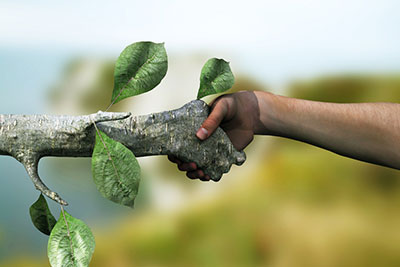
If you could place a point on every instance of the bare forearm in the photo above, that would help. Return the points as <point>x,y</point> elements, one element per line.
<point>368,131</point>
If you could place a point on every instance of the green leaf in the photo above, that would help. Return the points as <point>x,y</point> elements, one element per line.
<point>139,68</point>
<point>216,77</point>
<point>115,169</point>
<point>41,216</point>
<point>71,243</point>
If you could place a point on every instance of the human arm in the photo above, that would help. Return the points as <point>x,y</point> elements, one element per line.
<point>365,131</point>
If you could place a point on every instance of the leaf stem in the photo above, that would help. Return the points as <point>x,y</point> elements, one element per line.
<point>112,103</point>
<point>132,78</point>
<point>120,92</point>
<point>68,233</point>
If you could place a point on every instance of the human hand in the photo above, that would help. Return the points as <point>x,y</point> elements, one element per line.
<point>237,114</point>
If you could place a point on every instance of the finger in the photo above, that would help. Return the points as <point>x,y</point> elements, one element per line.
<point>200,174</point>
<point>215,101</point>
<point>193,165</point>
<point>191,175</point>
<point>205,178</point>
<point>187,166</point>
<point>196,174</point>
<point>174,159</point>
<point>213,121</point>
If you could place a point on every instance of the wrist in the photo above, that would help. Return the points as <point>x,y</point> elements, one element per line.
<point>271,119</point>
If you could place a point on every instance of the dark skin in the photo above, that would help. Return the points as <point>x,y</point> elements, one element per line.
<point>368,132</point>
<point>237,115</point>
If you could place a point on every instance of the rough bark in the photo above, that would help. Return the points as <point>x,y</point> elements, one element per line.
<point>31,137</point>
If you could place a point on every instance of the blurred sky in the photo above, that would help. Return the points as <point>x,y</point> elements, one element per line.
<point>272,41</point>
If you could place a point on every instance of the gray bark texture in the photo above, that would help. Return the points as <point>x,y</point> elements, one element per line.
<point>31,137</point>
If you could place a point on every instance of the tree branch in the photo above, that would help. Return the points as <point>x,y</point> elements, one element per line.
<point>31,137</point>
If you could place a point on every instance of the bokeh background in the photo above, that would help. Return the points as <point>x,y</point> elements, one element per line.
<point>290,204</point>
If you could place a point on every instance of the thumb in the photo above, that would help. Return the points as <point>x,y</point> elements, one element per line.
<point>213,121</point>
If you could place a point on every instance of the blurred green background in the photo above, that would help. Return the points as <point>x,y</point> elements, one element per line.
<point>290,204</point>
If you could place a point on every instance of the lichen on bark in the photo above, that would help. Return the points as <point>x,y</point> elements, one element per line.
<point>31,137</point>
